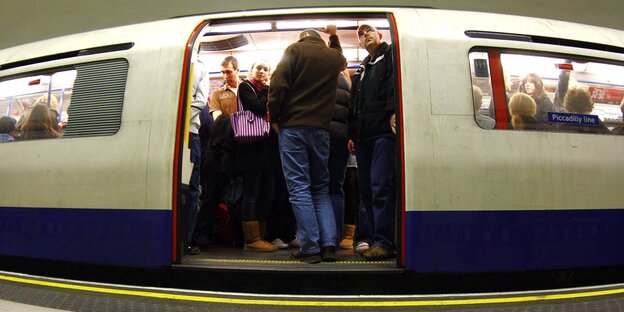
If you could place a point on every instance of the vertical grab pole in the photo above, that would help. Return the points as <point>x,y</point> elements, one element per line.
<point>498,88</point>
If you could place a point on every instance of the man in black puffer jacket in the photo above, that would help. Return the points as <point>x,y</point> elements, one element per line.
<point>371,128</point>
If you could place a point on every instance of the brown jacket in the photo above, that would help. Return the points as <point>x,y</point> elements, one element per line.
<point>304,83</point>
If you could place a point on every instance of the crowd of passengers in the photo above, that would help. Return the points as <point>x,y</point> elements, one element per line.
<point>36,122</point>
<point>298,187</point>
<point>528,108</point>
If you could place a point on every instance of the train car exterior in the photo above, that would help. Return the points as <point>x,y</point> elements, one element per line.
<point>471,199</point>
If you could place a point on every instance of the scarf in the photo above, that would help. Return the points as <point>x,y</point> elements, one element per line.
<point>257,84</point>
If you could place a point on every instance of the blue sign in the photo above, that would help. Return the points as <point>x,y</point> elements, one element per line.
<point>574,119</point>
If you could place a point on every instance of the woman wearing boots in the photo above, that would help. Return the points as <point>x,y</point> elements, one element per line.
<point>254,163</point>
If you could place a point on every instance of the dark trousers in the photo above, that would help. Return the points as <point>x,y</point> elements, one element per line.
<point>281,222</point>
<point>352,196</point>
<point>193,200</point>
<point>213,187</point>
<point>257,194</point>
<point>376,174</point>
<point>338,157</point>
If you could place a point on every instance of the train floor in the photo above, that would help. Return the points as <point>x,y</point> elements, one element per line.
<point>226,257</point>
<point>21,292</point>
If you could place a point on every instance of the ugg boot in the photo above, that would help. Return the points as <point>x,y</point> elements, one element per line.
<point>253,242</point>
<point>348,230</point>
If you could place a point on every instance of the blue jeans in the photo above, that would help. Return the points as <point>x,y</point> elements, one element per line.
<point>193,200</point>
<point>376,175</point>
<point>338,157</point>
<point>305,152</point>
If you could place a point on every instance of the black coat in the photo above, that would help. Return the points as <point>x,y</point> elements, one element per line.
<point>530,123</point>
<point>544,105</point>
<point>372,96</point>
<point>219,156</point>
<point>253,155</point>
<point>339,131</point>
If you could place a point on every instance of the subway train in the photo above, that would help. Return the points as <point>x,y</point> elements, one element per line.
<point>471,198</point>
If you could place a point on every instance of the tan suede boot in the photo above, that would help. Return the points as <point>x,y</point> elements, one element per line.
<point>348,230</point>
<point>253,242</point>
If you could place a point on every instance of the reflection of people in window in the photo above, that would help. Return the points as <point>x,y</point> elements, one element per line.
<point>533,85</point>
<point>39,125</point>
<point>523,109</point>
<point>562,88</point>
<point>483,121</point>
<point>578,101</point>
<point>620,129</point>
<point>7,127</point>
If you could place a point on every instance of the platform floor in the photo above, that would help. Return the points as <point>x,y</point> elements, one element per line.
<point>20,292</point>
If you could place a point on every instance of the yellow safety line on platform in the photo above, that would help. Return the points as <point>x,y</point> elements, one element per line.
<point>287,261</point>
<point>380,302</point>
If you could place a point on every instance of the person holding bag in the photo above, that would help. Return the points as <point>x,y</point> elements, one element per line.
<point>253,157</point>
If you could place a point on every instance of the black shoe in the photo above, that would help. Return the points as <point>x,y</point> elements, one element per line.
<point>328,254</point>
<point>193,250</point>
<point>307,258</point>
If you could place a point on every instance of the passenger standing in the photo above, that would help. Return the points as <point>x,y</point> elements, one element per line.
<point>522,109</point>
<point>485,122</point>
<point>253,161</point>
<point>533,85</point>
<point>199,91</point>
<point>7,127</point>
<point>38,125</point>
<point>222,103</point>
<point>562,88</point>
<point>338,152</point>
<point>301,102</point>
<point>223,100</point>
<point>578,101</point>
<point>371,116</point>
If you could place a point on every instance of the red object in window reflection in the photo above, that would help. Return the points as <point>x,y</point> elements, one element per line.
<point>565,66</point>
<point>34,82</point>
<point>606,95</point>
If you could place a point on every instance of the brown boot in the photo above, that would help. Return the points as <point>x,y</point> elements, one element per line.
<point>253,242</point>
<point>348,230</point>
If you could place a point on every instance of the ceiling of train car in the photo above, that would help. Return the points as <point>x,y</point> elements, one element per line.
<point>251,42</point>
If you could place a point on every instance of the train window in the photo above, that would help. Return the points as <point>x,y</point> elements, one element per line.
<point>482,90</point>
<point>252,41</point>
<point>94,90</point>
<point>554,92</point>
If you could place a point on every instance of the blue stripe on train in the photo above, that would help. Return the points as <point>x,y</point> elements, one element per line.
<point>479,241</point>
<point>99,236</point>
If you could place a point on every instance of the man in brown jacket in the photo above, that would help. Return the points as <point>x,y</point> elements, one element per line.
<point>301,102</point>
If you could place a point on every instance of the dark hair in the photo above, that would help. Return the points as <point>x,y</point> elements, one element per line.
<point>539,92</point>
<point>7,124</point>
<point>230,60</point>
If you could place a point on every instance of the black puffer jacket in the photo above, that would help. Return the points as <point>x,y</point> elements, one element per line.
<point>339,131</point>
<point>372,96</point>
